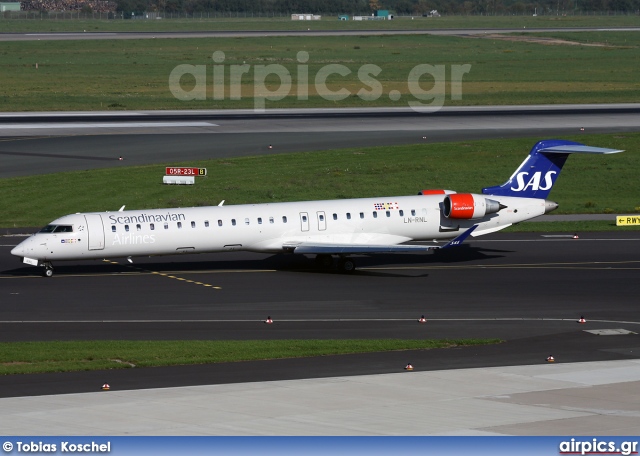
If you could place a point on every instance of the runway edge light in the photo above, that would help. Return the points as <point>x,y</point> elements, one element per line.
<point>408,367</point>
<point>422,319</point>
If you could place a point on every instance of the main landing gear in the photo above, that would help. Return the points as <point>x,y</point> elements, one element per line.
<point>345,264</point>
<point>48,269</point>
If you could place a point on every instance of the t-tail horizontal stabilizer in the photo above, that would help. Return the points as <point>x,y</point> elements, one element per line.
<point>538,172</point>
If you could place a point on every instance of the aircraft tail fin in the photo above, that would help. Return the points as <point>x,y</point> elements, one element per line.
<point>538,172</point>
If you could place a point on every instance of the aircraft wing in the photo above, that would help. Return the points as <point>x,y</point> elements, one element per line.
<point>340,249</point>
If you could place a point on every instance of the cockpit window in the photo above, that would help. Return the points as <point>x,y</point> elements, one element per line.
<point>57,229</point>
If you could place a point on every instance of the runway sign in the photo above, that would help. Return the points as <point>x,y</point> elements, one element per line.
<point>625,220</point>
<point>186,171</point>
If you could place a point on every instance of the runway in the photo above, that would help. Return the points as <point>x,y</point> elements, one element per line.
<point>40,143</point>
<point>56,36</point>
<point>526,289</point>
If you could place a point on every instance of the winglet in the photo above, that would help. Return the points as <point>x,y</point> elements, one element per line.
<point>460,239</point>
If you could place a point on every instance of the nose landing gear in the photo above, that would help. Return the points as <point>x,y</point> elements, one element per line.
<point>48,269</point>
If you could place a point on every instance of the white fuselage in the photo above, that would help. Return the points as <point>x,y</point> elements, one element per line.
<point>263,227</point>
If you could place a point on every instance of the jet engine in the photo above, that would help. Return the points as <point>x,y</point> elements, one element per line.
<point>469,206</point>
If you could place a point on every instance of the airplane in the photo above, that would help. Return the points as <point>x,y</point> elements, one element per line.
<point>327,229</point>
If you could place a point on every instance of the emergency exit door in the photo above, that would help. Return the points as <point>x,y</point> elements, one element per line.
<point>304,221</point>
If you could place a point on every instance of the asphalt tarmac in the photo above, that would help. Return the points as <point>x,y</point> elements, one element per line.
<point>56,36</point>
<point>525,289</point>
<point>43,143</point>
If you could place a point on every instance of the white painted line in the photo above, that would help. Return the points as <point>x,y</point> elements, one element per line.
<point>73,114</point>
<point>610,332</point>
<point>330,320</point>
<point>68,34</point>
<point>61,126</point>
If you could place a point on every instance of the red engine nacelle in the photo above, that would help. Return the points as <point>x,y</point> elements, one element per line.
<point>469,206</point>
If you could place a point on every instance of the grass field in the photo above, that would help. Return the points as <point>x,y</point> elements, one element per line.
<point>67,356</point>
<point>134,74</point>
<point>588,184</point>
<point>211,22</point>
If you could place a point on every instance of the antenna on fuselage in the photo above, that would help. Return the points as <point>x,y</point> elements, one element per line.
<point>221,203</point>
<point>122,208</point>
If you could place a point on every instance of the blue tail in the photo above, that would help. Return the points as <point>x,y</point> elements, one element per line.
<point>538,172</point>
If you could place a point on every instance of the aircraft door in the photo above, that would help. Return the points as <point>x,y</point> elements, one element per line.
<point>322,221</point>
<point>96,231</point>
<point>304,221</point>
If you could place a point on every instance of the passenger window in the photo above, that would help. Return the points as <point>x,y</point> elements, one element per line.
<point>321,218</point>
<point>348,215</point>
<point>219,222</point>
<point>413,212</point>
<point>375,214</point>
<point>152,226</point>
<point>113,229</point>
<point>335,216</point>
<point>206,223</point>
<point>193,224</point>
<point>304,218</point>
<point>233,222</point>
<point>166,226</point>
<point>259,220</point>
<point>138,227</point>
<point>179,224</point>
<point>284,219</point>
<point>126,227</point>
<point>424,211</point>
<point>401,213</point>
<point>270,219</point>
<point>246,221</point>
<point>388,214</point>
<point>361,215</point>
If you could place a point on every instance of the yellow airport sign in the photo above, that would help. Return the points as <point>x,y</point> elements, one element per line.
<point>625,220</point>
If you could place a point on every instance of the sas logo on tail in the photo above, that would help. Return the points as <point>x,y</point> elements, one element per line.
<point>534,181</point>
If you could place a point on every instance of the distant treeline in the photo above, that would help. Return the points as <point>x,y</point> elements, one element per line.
<point>400,7</point>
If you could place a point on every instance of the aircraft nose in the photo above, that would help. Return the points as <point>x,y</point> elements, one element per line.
<point>18,250</point>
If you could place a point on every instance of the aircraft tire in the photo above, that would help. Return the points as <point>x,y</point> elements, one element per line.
<point>347,265</point>
<point>48,272</point>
